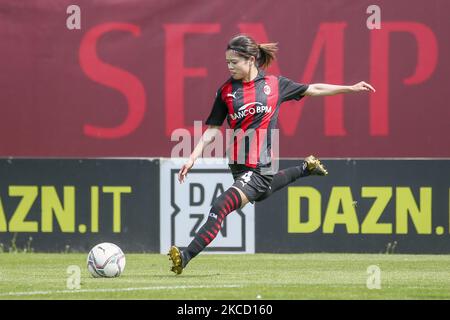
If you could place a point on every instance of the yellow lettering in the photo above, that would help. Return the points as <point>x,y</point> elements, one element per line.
<point>94,209</point>
<point>3,225</point>
<point>116,191</point>
<point>65,215</point>
<point>348,216</point>
<point>17,222</point>
<point>382,196</point>
<point>294,210</point>
<point>421,217</point>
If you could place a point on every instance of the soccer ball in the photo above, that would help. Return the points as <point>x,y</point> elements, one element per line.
<point>106,260</point>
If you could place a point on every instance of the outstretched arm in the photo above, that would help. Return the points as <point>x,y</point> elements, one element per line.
<point>324,89</point>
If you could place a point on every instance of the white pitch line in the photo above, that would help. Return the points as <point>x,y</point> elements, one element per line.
<point>32,293</point>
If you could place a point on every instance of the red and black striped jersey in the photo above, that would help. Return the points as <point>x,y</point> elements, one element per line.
<point>251,109</point>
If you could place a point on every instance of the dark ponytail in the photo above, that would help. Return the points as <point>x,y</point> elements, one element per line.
<point>266,54</point>
<point>246,47</point>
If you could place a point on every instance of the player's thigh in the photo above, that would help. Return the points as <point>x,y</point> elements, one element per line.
<point>244,199</point>
<point>251,186</point>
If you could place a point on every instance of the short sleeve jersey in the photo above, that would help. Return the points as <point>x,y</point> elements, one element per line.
<point>251,109</point>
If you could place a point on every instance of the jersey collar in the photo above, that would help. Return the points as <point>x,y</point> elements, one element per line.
<point>261,74</point>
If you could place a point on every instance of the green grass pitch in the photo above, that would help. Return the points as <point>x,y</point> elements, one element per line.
<point>237,277</point>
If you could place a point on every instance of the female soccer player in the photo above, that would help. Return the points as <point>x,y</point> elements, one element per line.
<point>250,100</point>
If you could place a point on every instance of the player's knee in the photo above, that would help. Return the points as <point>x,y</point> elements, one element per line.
<point>227,202</point>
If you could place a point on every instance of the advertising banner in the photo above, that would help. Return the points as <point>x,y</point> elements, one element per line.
<point>66,205</point>
<point>115,78</point>
<point>364,206</point>
<point>185,207</point>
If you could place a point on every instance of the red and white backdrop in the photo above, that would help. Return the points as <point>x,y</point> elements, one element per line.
<point>137,70</point>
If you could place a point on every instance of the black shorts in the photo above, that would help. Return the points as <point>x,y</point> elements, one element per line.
<point>250,181</point>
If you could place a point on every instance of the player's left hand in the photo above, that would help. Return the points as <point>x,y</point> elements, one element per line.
<point>362,86</point>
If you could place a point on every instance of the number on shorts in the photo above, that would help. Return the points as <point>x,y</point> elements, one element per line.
<point>247,176</point>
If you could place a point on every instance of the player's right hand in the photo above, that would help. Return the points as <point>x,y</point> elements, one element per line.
<point>184,170</point>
